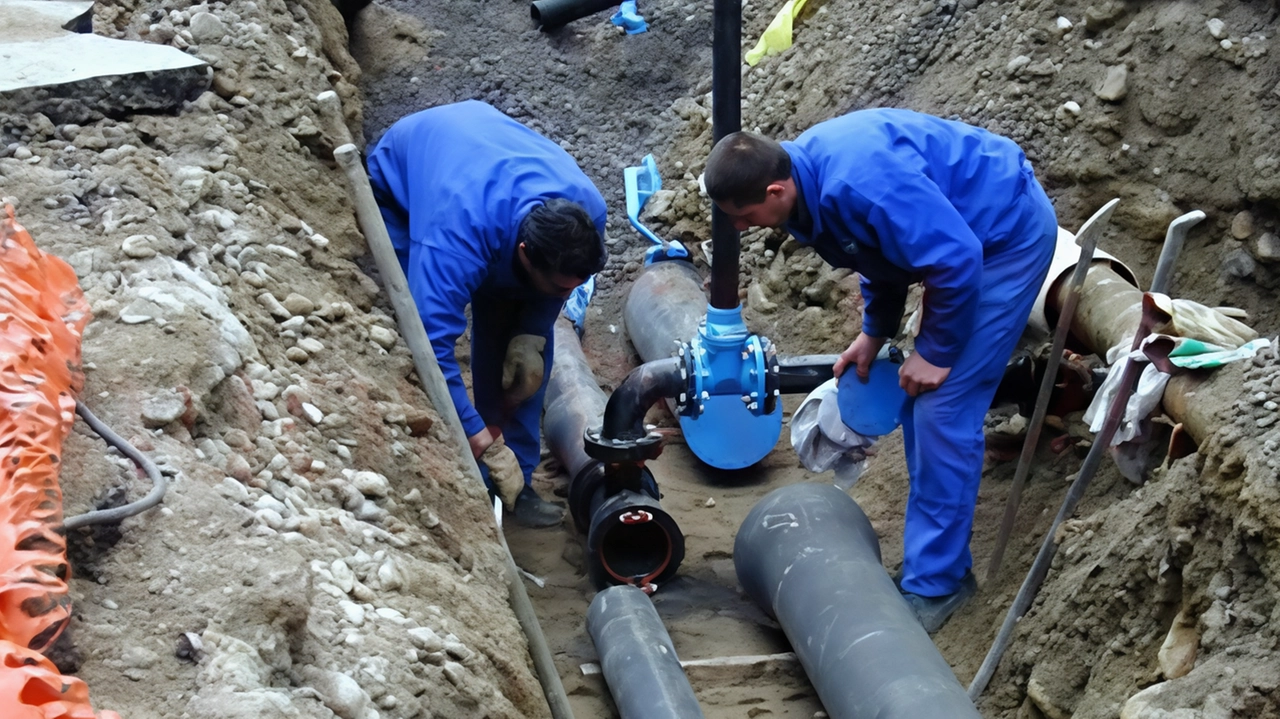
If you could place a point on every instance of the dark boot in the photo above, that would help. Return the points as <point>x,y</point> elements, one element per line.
<point>933,612</point>
<point>534,511</point>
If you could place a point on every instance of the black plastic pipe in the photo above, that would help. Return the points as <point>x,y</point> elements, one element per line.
<point>803,374</point>
<point>630,538</point>
<point>637,657</point>
<point>726,118</point>
<point>646,384</point>
<point>808,554</point>
<point>551,14</point>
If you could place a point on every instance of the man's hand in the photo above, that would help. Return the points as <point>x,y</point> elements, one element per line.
<point>480,441</point>
<point>504,471</point>
<point>918,375</point>
<point>523,367</point>
<point>860,354</point>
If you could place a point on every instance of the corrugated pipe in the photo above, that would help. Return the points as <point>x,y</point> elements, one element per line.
<point>637,657</point>
<point>807,554</point>
<point>630,538</point>
<point>551,14</point>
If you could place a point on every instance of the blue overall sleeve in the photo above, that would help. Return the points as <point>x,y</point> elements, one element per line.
<point>918,230</point>
<point>441,281</point>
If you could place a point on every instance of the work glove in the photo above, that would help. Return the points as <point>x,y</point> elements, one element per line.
<point>504,471</point>
<point>522,370</point>
<point>1193,320</point>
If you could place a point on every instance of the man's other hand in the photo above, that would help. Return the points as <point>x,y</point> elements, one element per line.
<point>523,367</point>
<point>918,375</point>
<point>504,471</point>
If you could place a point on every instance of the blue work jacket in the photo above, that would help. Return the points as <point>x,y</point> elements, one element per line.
<point>902,197</point>
<point>454,182</point>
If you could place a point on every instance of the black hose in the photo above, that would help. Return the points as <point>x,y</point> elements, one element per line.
<point>114,515</point>
<point>801,375</point>
<point>646,384</point>
<point>551,14</point>
<point>637,657</point>
<point>807,554</point>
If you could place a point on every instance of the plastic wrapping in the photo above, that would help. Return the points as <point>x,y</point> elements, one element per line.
<point>42,313</point>
<point>823,442</point>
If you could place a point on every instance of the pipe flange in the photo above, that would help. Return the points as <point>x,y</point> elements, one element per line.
<point>772,382</point>
<point>615,451</point>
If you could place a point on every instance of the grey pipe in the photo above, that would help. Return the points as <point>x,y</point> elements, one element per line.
<point>637,658</point>
<point>574,402</point>
<point>665,305</point>
<point>807,554</point>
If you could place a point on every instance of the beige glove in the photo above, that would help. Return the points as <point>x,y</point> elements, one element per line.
<point>504,471</point>
<point>522,370</point>
<point>1193,320</point>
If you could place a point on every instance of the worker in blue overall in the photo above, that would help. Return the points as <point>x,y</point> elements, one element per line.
<point>902,198</point>
<point>484,211</point>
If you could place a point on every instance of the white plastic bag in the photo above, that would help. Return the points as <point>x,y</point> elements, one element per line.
<point>823,442</point>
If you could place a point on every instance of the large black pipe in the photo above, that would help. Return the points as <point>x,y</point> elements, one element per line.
<point>664,307</point>
<point>807,554</point>
<point>630,538</point>
<point>646,384</point>
<point>551,14</point>
<point>637,657</point>
<point>726,118</point>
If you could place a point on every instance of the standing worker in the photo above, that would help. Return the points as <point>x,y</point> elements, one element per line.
<point>902,197</point>
<point>483,210</point>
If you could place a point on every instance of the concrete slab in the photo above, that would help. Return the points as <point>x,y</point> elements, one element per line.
<point>50,63</point>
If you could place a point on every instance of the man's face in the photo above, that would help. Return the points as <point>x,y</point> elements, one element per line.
<point>772,211</point>
<point>553,284</point>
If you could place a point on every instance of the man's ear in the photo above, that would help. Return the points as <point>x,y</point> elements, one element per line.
<point>775,189</point>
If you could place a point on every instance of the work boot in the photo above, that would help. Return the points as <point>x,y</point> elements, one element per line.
<point>933,612</point>
<point>534,511</point>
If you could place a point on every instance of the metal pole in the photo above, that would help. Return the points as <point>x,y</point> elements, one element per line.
<point>424,361</point>
<point>807,554</point>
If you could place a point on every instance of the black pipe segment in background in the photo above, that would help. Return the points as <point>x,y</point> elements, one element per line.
<point>726,118</point>
<point>629,536</point>
<point>807,554</point>
<point>551,14</point>
<point>637,657</point>
<point>664,307</point>
<point>803,374</point>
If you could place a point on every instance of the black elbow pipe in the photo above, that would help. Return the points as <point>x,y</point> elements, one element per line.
<point>630,538</point>
<point>637,657</point>
<point>726,118</point>
<point>646,384</point>
<point>551,14</point>
<point>807,554</point>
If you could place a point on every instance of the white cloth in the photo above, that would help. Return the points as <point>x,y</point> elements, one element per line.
<point>823,442</point>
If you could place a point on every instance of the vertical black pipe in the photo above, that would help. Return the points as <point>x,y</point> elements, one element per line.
<point>726,118</point>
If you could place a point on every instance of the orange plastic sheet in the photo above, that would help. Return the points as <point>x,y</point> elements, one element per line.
<point>42,313</point>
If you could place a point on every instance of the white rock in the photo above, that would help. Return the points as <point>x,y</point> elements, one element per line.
<point>1226,44</point>
<point>139,247</point>
<point>426,639</point>
<point>311,345</point>
<point>312,412</point>
<point>1268,249</point>
<point>1017,64</point>
<point>340,693</point>
<point>270,517</point>
<point>1217,28</point>
<point>352,612</point>
<point>1178,653</point>
<point>1064,24</point>
<point>454,672</point>
<point>384,337</point>
<point>163,408</point>
<point>272,305</point>
<point>1072,107</point>
<point>371,484</point>
<point>343,577</point>
<point>1115,85</point>
<point>299,304</point>
<point>207,28</point>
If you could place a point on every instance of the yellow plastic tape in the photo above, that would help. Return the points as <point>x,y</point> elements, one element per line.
<point>776,37</point>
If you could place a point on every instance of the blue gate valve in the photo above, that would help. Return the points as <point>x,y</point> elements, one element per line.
<point>730,414</point>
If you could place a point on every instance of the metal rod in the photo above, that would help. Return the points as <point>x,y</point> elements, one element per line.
<point>1088,239</point>
<point>807,554</point>
<point>639,661</point>
<point>1174,238</point>
<point>424,361</point>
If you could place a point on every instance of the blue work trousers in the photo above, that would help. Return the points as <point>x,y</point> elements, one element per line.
<point>494,321</point>
<point>942,429</point>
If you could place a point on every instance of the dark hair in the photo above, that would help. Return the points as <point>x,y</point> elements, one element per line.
<point>559,237</point>
<point>742,166</point>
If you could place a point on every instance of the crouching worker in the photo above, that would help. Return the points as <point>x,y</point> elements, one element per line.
<point>484,211</point>
<point>901,198</point>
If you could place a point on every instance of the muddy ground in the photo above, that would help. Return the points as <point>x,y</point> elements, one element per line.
<point>319,537</point>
